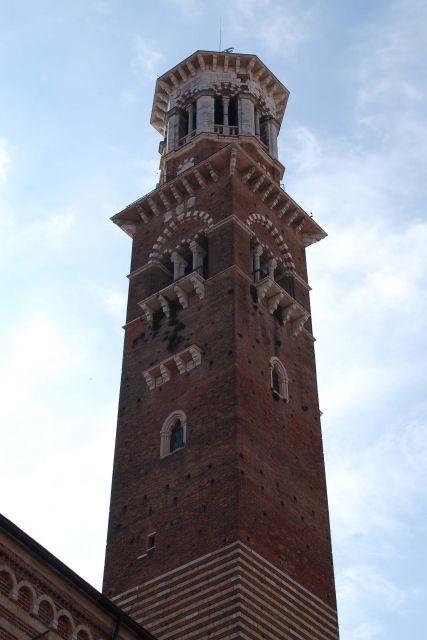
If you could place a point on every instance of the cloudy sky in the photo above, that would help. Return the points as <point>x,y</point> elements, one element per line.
<point>76,84</point>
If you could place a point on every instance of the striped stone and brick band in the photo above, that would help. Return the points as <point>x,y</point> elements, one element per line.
<point>230,593</point>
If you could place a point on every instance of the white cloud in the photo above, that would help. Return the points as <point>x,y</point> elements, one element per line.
<point>276,27</point>
<point>148,58</point>
<point>369,310</point>
<point>60,223</point>
<point>5,160</point>
<point>375,487</point>
<point>62,437</point>
<point>115,302</point>
<point>366,630</point>
<point>149,175</point>
<point>189,8</point>
<point>36,352</point>
<point>392,49</point>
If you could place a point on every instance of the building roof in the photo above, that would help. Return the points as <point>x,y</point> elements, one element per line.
<point>10,530</point>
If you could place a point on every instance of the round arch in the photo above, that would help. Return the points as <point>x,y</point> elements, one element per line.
<point>173,226</point>
<point>166,431</point>
<point>282,247</point>
<point>279,379</point>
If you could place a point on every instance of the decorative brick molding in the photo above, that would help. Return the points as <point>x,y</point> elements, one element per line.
<point>39,605</point>
<point>173,227</point>
<point>230,593</point>
<point>184,361</point>
<point>259,218</point>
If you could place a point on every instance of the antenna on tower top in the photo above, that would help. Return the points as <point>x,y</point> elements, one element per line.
<point>220,34</point>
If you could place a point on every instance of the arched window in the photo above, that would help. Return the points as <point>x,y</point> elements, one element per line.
<point>218,111</point>
<point>173,433</point>
<point>177,436</point>
<point>233,113</point>
<point>279,379</point>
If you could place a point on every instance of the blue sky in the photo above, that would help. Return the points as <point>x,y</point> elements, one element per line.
<point>76,85</point>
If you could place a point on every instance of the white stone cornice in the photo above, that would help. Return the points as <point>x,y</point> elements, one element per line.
<point>128,226</point>
<point>153,206</point>
<point>187,186</point>
<point>176,193</point>
<point>191,68</point>
<point>182,74</point>
<point>302,282</point>
<point>142,214</point>
<point>227,220</point>
<point>267,192</point>
<point>275,201</point>
<point>179,290</point>
<point>163,197</point>
<point>200,179</point>
<point>201,61</point>
<point>175,82</point>
<point>233,158</point>
<point>213,174</point>
<point>181,295</point>
<point>275,297</point>
<point>248,175</point>
<point>257,183</point>
<point>154,264</point>
<point>184,361</point>
<point>311,238</point>
<point>291,216</point>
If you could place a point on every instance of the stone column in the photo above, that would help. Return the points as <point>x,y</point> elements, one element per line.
<point>256,256</point>
<point>189,109</point>
<point>198,255</point>
<point>256,115</point>
<point>173,130</point>
<point>271,267</point>
<point>247,116</point>
<point>272,136</point>
<point>205,113</point>
<point>225,103</point>
<point>179,265</point>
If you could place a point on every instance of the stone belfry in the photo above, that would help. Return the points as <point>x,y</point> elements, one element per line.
<point>219,521</point>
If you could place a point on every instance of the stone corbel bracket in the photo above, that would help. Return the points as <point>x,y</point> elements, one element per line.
<point>180,291</point>
<point>184,362</point>
<point>275,297</point>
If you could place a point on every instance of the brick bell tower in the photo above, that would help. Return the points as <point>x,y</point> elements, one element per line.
<point>219,519</point>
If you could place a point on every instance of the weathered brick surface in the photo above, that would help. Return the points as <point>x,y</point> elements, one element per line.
<point>252,469</point>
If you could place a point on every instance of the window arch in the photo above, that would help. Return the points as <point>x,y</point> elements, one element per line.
<point>173,433</point>
<point>279,379</point>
